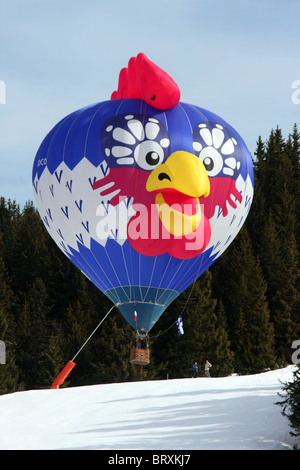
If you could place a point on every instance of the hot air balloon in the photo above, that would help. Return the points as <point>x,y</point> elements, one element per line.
<point>143,192</point>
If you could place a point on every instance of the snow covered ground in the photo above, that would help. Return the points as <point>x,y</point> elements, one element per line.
<point>236,412</point>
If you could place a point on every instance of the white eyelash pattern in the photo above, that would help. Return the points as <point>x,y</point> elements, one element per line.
<point>214,149</point>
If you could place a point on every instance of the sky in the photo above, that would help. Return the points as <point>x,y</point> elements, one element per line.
<point>237,58</point>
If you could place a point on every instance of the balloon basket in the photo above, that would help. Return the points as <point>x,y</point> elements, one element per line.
<point>140,356</point>
<point>140,352</point>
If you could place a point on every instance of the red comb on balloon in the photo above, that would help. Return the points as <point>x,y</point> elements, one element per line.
<point>142,79</point>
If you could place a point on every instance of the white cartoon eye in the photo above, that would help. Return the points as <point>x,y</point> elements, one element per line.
<point>148,154</point>
<point>136,141</point>
<point>212,160</point>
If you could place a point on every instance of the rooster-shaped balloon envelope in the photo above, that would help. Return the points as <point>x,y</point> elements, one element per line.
<point>143,192</point>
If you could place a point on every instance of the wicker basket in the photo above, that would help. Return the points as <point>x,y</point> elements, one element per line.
<point>140,356</point>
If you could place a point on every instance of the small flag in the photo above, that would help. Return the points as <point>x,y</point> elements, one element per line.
<point>179,324</point>
<point>135,315</point>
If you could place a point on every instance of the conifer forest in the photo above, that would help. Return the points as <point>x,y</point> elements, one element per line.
<point>242,315</point>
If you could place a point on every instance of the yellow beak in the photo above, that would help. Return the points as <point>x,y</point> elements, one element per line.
<point>183,173</point>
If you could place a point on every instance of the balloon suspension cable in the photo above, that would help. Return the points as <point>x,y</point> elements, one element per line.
<point>94,331</point>
<point>183,309</point>
<point>71,364</point>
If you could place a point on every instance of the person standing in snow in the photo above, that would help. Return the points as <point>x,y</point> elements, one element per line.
<point>206,368</point>
<point>195,370</point>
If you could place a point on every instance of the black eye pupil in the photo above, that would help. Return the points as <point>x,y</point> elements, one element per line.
<point>152,158</point>
<point>208,163</point>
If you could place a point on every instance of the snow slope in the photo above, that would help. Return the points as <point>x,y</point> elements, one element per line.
<point>236,412</point>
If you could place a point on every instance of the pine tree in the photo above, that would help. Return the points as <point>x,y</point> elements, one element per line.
<point>7,302</point>
<point>272,261</point>
<point>292,150</point>
<point>273,224</point>
<point>28,252</point>
<point>291,404</point>
<point>251,332</point>
<point>65,283</point>
<point>212,330</point>
<point>53,362</point>
<point>205,335</point>
<point>110,354</point>
<point>270,256</point>
<point>75,331</point>
<point>260,154</point>
<point>9,377</point>
<point>286,301</point>
<point>32,334</point>
<point>223,357</point>
<point>269,165</point>
<point>9,373</point>
<point>286,315</point>
<point>9,211</point>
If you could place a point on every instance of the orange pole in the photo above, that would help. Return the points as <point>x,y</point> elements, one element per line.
<point>69,366</point>
<point>63,375</point>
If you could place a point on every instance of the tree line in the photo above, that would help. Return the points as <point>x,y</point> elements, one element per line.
<point>243,314</point>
